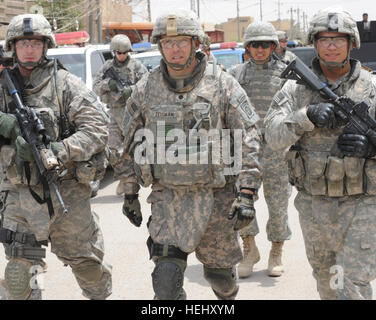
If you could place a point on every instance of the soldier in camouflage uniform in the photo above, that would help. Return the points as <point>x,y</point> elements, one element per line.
<point>333,169</point>
<point>285,55</point>
<point>191,202</point>
<point>75,237</point>
<point>259,77</point>
<point>110,92</point>
<point>205,47</point>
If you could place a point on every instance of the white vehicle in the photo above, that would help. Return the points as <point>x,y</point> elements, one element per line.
<point>149,59</point>
<point>84,62</point>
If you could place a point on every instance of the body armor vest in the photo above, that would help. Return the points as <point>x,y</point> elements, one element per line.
<point>175,114</point>
<point>314,163</point>
<point>260,82</point>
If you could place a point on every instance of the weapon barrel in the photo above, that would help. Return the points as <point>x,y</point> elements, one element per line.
<point>59,197</point>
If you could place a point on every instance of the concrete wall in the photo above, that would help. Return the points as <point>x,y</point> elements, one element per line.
<point>230,28</point>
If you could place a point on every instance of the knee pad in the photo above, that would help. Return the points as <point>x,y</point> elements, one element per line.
<point>168,278</point>
<point>222,281</point>
<point>90,273</point>
<point>17,279</point>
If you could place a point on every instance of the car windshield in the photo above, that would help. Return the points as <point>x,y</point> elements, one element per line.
<point>75,63</point>
<point>227,59</point>
<point>152,61</point>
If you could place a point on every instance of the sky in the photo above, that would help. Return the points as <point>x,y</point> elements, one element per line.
<point>218,11</point>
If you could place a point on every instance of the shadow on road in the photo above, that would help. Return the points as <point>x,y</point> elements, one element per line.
<point>195,273</point>
<point>108,199</point>
<point>262,278</point>
<point>107,179</point>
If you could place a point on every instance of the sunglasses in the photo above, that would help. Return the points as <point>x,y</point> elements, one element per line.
<point>120,53</point>
<point>263,44</point>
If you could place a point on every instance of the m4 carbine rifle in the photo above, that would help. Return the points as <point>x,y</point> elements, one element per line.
<point>354,115</point>
<point>122,84</point>
<point>34,133</point>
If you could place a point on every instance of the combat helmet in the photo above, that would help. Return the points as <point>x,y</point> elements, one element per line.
<point>334,19</point>
<point>26,25</point>
<point>281,35</point>
<point>206,42</point>
<point>260,31</point>
<point>121,43</point>
<point>178,23</point>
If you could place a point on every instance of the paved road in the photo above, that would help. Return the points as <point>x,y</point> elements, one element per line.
<point>127,252</point>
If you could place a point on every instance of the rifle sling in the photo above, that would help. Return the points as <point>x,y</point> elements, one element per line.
<point>46,190</point>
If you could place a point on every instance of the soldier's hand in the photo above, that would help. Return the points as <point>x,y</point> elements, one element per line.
<point>24,150</point>
<point>356,145</point>
<point>132,209</point>
<point>9,126</point>
<point>112,84</point>
<point>322,115</point>
<point>243,209</point>
<point>126,93</point>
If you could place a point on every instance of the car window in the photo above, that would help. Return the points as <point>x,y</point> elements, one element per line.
<point>75,63</point>
<point>305,54</point>
<point>96,62</point>
<point>228,59</point>
<point>150,62</point>
<point>107,55</point>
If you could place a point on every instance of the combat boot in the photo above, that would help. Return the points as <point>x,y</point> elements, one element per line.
<point>120,188</point>
<point>251,257</point>
<point>275,267</point>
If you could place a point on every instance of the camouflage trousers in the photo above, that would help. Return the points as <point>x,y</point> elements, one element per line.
<point>115,141</point>
<point>75,237</point>
<point>277,191</point>
<point>197,221</point>
<point>340,241</point>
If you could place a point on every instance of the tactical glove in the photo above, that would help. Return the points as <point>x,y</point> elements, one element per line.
<point>243,209</point>
<point>356,145</point>
<point>322,115</point>
<point>24,150</point>
<point>112,84</point>
<point>9,126</point>
<point>132,209</point>
<point>126,93</point>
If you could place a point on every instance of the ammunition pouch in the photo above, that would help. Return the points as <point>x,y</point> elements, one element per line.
<point>22,245</point>
<point>321,174</point>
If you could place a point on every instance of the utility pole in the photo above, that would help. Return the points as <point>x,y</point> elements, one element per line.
<point>198,9</point>
<point>299,32</point>
<point>291,24</point>
<point>261,10</point>
<point>238,18</point>
<point>193,5</point>
<point>304,24</point>
<point>149,11</point>
<point>279,15</point>
<point>99,22</point>
<point>90,6</point>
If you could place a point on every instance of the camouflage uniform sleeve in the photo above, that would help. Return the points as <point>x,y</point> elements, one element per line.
<point>100,85</point>
<point>286,120</point>
<point>140,70</point>
<point>232,71</point>
<point>132,121</point>
<point>87,116</point>
<point>241,115</point>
